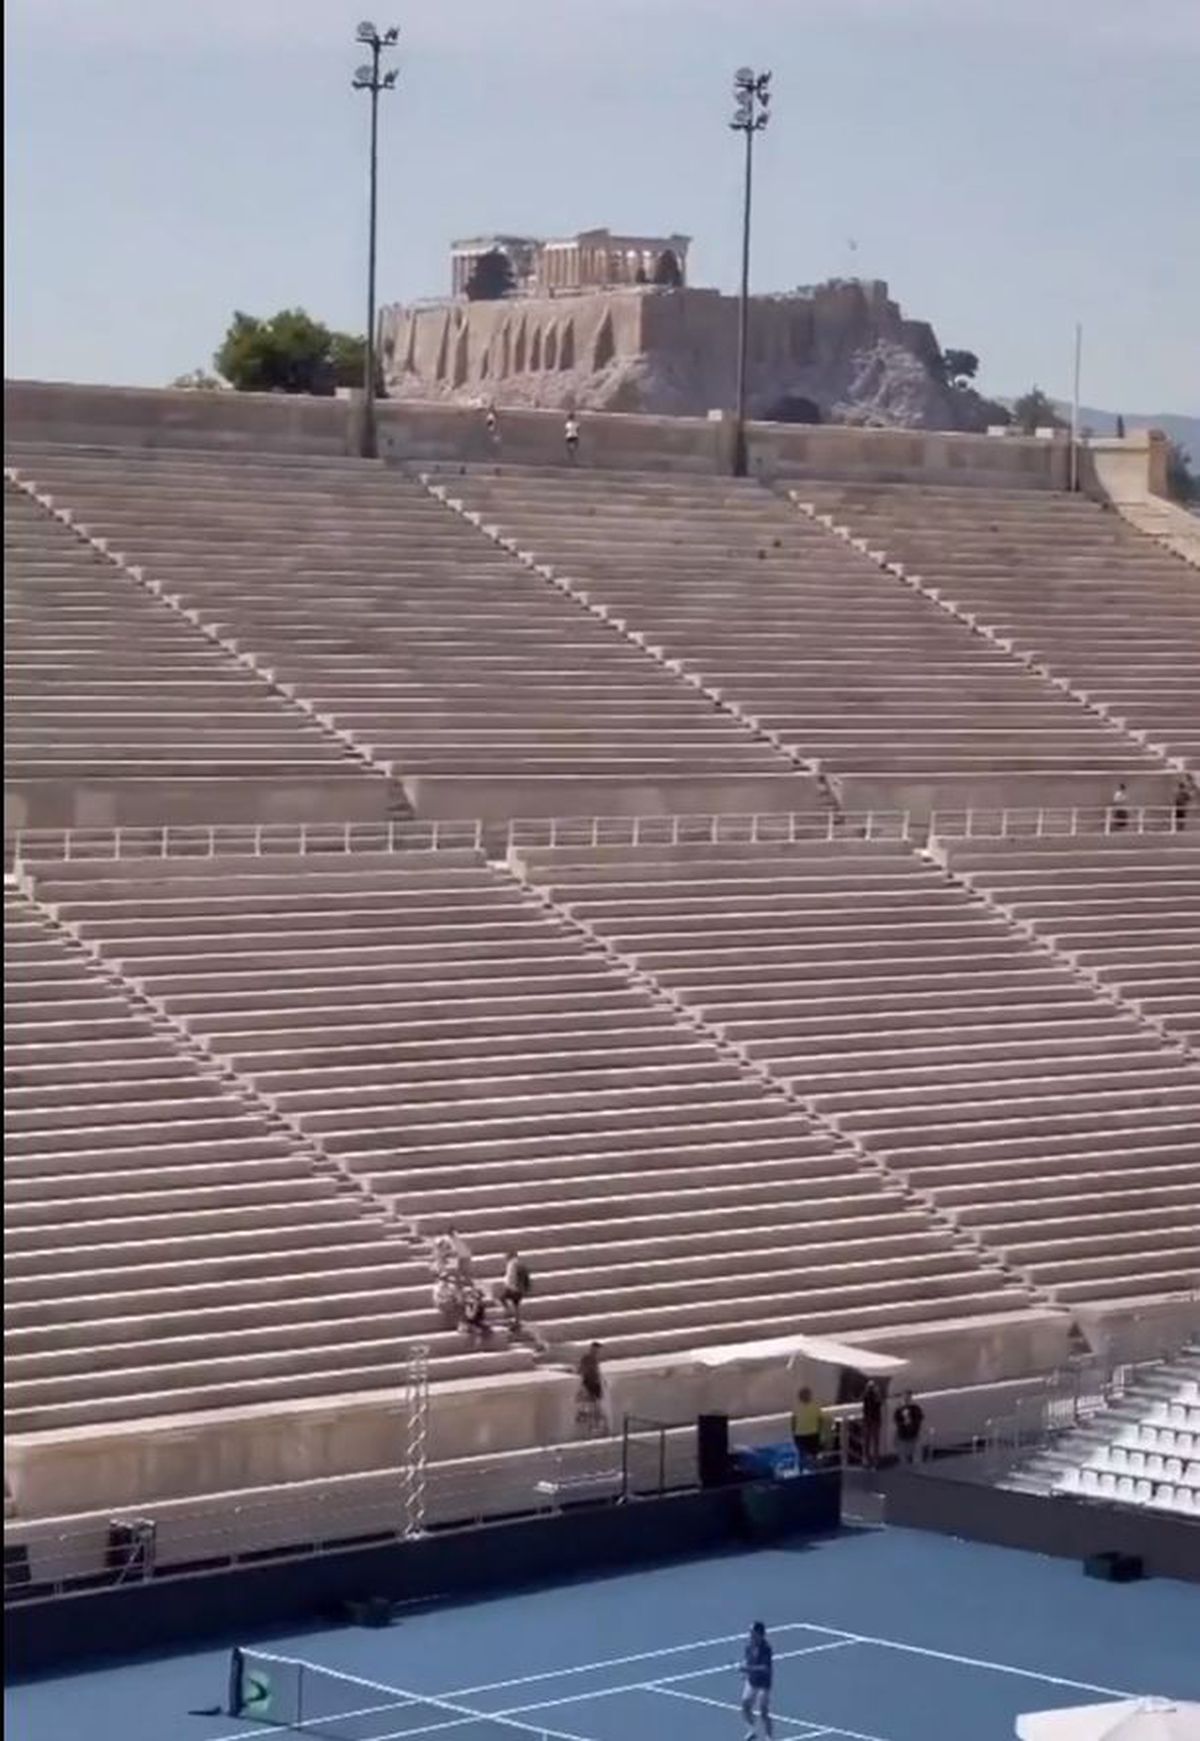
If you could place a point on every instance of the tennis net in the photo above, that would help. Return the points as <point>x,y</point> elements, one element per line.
<point>288,1695</point>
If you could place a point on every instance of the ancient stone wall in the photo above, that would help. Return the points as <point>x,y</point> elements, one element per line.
<point>442,430</point>
<point>844,348</point>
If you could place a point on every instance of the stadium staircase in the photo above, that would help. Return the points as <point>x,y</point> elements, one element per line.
<point>1143,1449</point>
<point>1123,910</point>
<point>829,655</point>
<point>172,1246</point>
<point>967,1061</point>
<point>430,1026</point>
<point>1071,590</point>
<point>713,1092</point>
<point>441,656</point>
<point>108,683</point>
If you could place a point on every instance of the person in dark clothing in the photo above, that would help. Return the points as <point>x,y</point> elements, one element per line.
<point>872,1423</point>
<point>758,1672</point>
<point>589,1400</point>
<point>1118,815</point>
<point>908,1420</point>
<point>474,1315</point>
<point>1180,805</point>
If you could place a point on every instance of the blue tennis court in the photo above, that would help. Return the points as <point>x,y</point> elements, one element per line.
<point>879,1636</point>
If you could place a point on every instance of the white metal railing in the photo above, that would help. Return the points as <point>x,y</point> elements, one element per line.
<point>1056,822</point>
<point>701,829</point>
<point>1070,1398</point>
<point>191,1538</point>
<point>267,839</point>
<point>239,840</point>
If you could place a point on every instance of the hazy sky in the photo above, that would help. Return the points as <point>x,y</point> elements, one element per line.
<point>1009,166</point>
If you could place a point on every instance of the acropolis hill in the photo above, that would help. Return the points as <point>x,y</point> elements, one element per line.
<point>845,346</point>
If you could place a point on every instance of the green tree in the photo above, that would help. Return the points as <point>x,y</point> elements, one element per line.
<point>1182,483</point>
<point>960,367</point>
<point>668,273</point>
<point>1034,411</point>
<point>289,353</point>
<point>348,359</point>
<point>492,277</point>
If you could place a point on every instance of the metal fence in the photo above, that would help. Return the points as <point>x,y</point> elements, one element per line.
<point>342,839</point>
<point>187,1538</point>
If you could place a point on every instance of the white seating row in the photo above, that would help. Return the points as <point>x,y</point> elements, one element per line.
<point>1130,1490</point>
<point>169,1247</point>
<point>476,1060</point>
<point>1128,1457</point>
<point>1124,907</point>
<point>1062,581</point>
<point>437,651</point>
<point>803,633</point>
<point>995,1081</point>
<point>103,679</point>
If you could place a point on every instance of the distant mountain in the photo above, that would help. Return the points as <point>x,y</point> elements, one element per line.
<point>1184,430</point>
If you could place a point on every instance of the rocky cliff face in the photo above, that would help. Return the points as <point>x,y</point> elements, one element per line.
<point>838,353</point>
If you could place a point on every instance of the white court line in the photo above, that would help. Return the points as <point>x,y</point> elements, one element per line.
<point>790,1626</point>
<point>1004,1668</point>
<point>460,1713</point>
<point>583,1668</point>
<point>664,1682</point>
<point>832,1632</point>
<point>552,1674</point>
<point>812,1730</point>
<point>665,1685</point>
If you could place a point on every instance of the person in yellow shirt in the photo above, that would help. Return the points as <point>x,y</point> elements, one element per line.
<point>806,1424</point>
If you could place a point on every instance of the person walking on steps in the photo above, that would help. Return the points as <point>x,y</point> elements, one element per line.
<point>514,1289</point>
<point>571,437</point>
<point>758,1671</point>
<point>1180,805</point>
<point>589,1399</point>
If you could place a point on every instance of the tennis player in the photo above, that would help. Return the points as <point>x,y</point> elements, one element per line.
<point>757,1672</point>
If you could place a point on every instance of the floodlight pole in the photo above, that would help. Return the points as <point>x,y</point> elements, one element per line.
<point>1074,477</point>
<point>752,95</point>
<point>373,80</point>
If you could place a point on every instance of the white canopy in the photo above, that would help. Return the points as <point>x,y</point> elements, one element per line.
<point>1117,1720</point>
<point>818,1349</point>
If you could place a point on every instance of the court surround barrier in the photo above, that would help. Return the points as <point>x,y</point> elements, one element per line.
<point>644,1459</point>
<point>321,839</point>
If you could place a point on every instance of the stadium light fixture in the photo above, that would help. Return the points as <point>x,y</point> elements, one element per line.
<point>752,111</point>
<point>372,78</point>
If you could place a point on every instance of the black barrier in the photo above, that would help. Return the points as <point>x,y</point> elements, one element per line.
<point>45,1636</point>
<point>1052,1523</point>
